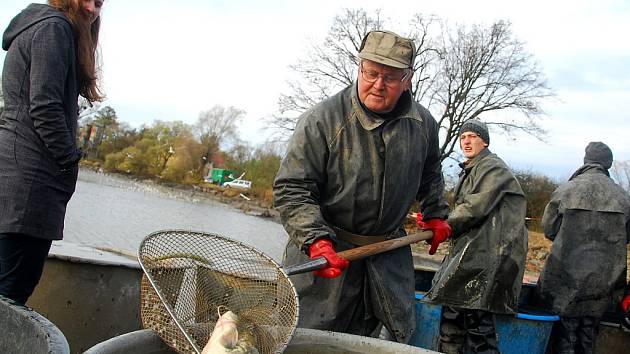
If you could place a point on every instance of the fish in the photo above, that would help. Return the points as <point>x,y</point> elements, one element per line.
<point>225,338</point>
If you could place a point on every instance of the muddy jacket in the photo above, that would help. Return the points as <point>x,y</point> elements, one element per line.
<point>587,220</point>
<point>486,261</point>
<point>350,169</point>
<point>38,152</point>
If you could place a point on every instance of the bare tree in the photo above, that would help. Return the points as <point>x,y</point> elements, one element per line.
<point>219,123</point>
<point>485,69</point>
<point>215,126</point>
<point>459,74</point>
<point>239,154</point>
<point>426,64</point>
<point>620,171</point>
<point>326,68</point>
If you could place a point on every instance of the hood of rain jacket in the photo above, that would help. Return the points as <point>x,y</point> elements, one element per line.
<point>30,16</point>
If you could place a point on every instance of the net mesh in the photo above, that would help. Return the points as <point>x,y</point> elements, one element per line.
<point>197,273</point>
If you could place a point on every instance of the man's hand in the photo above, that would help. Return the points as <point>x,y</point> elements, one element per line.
<point>420,222</point>
<point>441,231</point>
<point>625,305</point>
<point>336,265</point>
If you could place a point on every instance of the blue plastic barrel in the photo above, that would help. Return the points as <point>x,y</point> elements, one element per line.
<point>427,324</point>
<point>527,332</point>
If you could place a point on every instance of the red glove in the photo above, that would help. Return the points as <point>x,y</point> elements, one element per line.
<point>419,221</point>
<point>324,248</point>
<point>441,231</point>
<point>625,305</point>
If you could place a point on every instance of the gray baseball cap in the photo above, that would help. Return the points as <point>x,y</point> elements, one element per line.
<point>389,49</point>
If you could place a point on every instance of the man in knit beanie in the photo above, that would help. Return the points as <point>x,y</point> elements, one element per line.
<point>588,220</point>
<point>488,247</point>
<point>478,127</point>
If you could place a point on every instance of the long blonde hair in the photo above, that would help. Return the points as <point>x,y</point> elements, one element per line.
<point>86,35</point>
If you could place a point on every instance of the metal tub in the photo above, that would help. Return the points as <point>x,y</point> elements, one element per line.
<point>305,340</point>
<point>26,331</point>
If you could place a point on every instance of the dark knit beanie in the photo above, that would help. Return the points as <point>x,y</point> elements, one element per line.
<point>599,153</point>
<point>478,127</point>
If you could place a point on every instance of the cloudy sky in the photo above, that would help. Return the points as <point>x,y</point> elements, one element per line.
<point>170,60</point>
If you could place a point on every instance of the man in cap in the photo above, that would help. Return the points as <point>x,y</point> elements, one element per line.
<point>483,272</point>
<point>354,166</point>
<point>588,221</point>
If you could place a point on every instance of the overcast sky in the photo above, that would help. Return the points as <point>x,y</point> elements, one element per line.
<point>170,60</point>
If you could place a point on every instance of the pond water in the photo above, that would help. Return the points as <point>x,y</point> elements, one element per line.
<point>114,212</point>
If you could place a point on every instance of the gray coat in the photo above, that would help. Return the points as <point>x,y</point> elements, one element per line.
<point>486,261</point>
<point>348,168</point>
<point>588,221</point>
<point>38,152</point>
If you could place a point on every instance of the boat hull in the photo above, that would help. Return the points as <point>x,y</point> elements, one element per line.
<point>90,295</point>
<point>93,295</point>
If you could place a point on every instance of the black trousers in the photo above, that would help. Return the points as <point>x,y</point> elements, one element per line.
<point>467,331</point>
<point>21,264</point>
<point>574,335</point>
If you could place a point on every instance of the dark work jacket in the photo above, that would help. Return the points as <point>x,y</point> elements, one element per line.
<point>38,152</point>
<point>348,168</point>
<point>486,261</point>
<point>588,221</point>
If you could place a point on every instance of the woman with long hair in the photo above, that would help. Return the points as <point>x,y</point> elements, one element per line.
<point>51,60</point>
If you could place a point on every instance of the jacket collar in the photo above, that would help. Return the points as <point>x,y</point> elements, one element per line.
<point>370,120</point>
<point>590,168</point>
<point>468,164</point>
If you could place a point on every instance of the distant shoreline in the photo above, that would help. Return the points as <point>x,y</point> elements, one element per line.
<point>191,193</point>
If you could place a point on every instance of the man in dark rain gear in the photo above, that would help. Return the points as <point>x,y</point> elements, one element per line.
<point>354,166</point>
<point>587,220</point>
<point>483,271</point>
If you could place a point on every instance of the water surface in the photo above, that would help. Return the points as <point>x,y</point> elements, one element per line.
<point>114,212</point>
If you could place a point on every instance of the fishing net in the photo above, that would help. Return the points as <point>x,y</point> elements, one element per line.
<point>189,275</point>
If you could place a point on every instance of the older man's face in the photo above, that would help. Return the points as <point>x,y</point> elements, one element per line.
<point>471,144</point>
<point>382,94</point>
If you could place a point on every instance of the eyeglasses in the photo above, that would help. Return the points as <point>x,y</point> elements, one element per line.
<point>391,81</point>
